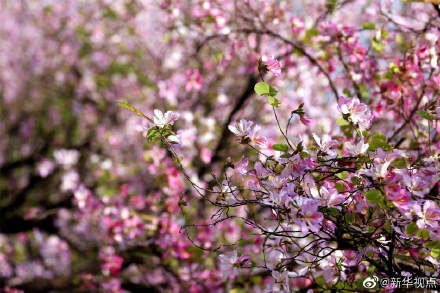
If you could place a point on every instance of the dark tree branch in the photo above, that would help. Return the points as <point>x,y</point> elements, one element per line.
<point>224,137</point>
<point>437,8</point>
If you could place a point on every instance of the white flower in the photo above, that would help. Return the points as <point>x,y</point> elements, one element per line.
<point>326,144</point>
<point>45,167</point>
<point>70,181</point>
<point>174,138</point>
<point>281,279</point>
<point>65,157</point>
<point>227,264</point>
<point>378,170</point>
<point>356,149</point>
<point>160,119</point>
<point>242,128</point>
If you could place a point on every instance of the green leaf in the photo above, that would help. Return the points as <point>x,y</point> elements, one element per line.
<point>423,233</point>
<point>341,121</point>
<point>378,141</point>
<point>356,180</point>
<point>377,45</point>
<point>364,89</point>
<point>388,227</point>
<point>347,92</point>
<point>349,218</point>
<point>320,281</point>
<point>399,163</point>
<point>411,229</point>
<point>343,175</point>
<point>383,205</point>
<point>280,147</point>
<point>426,115</point>
<point>368,26</point>
<point>109,13</point>
<point>236,290</point>
<point>273,101</point>
<point>153,134</point>
<point>331,5</point>
<point>435,253</point>
<point>196,252</point>
<point>262,88</point>
<point>340,187</point>
<point>394,68</point>
<point>384,34</point>
<point>313,32</point>
<point>134,110</point>
<point>373,196</point>
<point>333,211</point>
<point>432,244</point>
<point>272,91</point>
<point>347,130</point>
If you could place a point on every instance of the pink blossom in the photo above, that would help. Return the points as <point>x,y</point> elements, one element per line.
<point>160,119</point>
<point>112,265</point>
<point>256,138</point>
<point>242,128</point>
<point>65,157</point>
<point>273,65</point>
<point>241,166</point>
<point>311,216</point>
<point>281,279</point>
<point>45,167</point>
<point>356,149</point>
<point>228,263</point>
<point>206,155</point>
<point>297,25</point>
<point>195,80</point>
<point>70,181</point>
<point>430,215</point>
<point>357,112</point>
<point>329,196</point>
<point>351,257</point>
<point>326,144</point>
<point>305,120</point>
<point>113,285</point>
<point>247,129</point>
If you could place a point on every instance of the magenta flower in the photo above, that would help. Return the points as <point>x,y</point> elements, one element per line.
<point>430,215</point>
<point>330,196</point>
<point>241,166</point>
<point>228,263</point>
<point>112,265</point>
<point>358,112</point>
<point>195,80</point>
<point>297,25</point>
<point>351,257</point>
<point>305,120</point>
<point>281,280</point>
<point>246,128</point>
<point>399,196</point>
<point>273,65</point>
<point>312,218</point>
<point>256,138</point>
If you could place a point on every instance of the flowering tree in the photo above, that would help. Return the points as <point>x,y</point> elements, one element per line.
<point>277,146</point>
